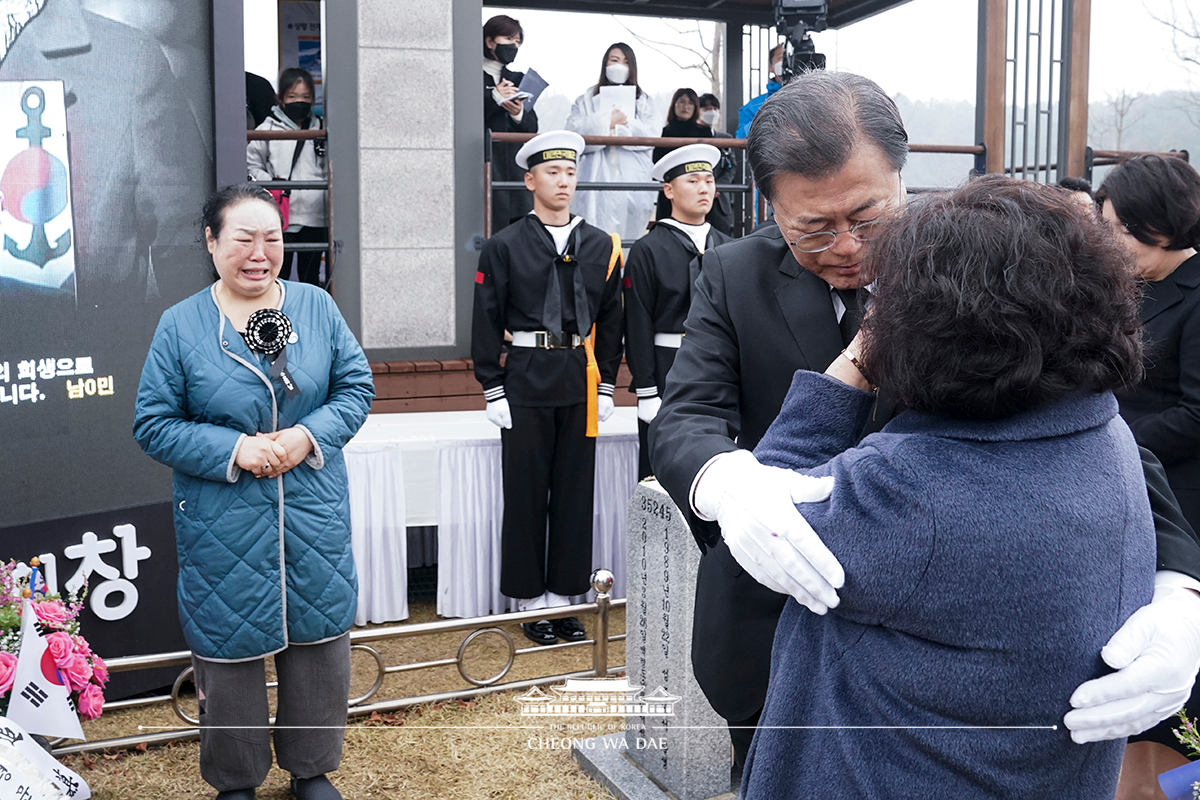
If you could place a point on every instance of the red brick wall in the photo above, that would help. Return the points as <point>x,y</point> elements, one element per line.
<point>445,386</point>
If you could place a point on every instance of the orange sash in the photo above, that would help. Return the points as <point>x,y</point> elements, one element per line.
<point>589,346</point>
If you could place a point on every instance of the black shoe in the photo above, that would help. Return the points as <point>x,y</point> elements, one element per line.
<point>236,794</point>
<point>569,629</point>
<point>318,788</point>
<point>540,632</point>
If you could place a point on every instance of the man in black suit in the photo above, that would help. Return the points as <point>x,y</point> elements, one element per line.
<point>827,151</point>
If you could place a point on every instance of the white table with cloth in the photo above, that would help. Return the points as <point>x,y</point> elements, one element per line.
<point>443,468</point>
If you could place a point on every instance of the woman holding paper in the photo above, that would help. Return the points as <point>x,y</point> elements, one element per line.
<point>505,112</point>
<point>615,106</point>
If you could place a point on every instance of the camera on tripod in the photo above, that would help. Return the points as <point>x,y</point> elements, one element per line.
<point>796,19</point>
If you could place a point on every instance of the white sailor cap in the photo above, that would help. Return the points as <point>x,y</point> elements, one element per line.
<point>550,146</point>
<point>689,158</point>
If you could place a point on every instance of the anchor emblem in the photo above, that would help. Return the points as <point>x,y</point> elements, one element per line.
<point>34,186</point>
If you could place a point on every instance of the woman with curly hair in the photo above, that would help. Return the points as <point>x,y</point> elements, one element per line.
<point>993,536</point>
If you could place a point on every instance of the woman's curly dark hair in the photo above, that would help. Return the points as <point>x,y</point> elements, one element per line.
<point>997,298</point>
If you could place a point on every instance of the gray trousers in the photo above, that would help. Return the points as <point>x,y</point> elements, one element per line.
<point>235,745</point>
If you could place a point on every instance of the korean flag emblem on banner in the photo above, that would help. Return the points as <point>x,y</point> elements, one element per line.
<point>40,702</point>
<point>36,227</point>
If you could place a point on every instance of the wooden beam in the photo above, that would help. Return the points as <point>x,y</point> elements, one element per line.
<point>991,81</point>
<point>1077,57</point>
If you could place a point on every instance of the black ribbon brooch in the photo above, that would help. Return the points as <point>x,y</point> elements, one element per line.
<point>268,331</point>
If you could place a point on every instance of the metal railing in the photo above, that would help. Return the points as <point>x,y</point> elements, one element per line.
<point>600,608</point>
<point>329,247</point>
<point>745,187</point>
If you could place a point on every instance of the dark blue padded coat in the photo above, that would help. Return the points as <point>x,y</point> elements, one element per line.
<point>263,563</point>
<point>987,562</point>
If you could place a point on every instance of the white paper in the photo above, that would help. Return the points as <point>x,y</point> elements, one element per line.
<point>622,97</point>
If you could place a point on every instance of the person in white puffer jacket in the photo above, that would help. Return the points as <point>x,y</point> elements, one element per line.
<point>307,219</point>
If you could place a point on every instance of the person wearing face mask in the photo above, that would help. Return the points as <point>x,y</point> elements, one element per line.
<point>503,113</point>
<point>721,215</point>
<point>746,113</point>
<point>297,160</point>
<point>710,113</point>
<point>623,213</point>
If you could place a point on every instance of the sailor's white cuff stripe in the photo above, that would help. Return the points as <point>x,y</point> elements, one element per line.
<point>643,394</point>
<point>495,393</point>
<point>606,389</point>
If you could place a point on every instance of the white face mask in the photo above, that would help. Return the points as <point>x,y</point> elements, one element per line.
<point>777,67</point>
<point>710,116</point>
<point>617,73</point>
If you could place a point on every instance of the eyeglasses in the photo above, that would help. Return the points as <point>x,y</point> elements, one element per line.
<point>819,242</point>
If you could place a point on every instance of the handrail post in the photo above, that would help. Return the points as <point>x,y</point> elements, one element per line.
<point>602,582</point>
<point>487,183</point>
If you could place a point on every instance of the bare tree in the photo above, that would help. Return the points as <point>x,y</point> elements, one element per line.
<point>693,50</point>
<point>1117,118</point>
<point>1185,41</point>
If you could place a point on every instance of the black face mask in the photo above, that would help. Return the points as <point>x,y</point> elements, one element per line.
<point>297,112</point>
<point>505,53</point>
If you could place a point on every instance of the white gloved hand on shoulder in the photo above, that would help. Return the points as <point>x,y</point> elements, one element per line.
<point>755,507</point>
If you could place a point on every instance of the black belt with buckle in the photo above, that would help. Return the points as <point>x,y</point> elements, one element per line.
<point>556,340</point>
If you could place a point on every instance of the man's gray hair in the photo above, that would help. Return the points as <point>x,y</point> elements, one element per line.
<point>811,125</point>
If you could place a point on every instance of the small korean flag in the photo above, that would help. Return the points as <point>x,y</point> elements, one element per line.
<point>40,702</point>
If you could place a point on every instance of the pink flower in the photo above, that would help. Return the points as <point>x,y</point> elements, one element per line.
<point>51,613</point>
<point>91,701</point>
<point>81,645</point>
<point>78,673</point>
<point>8,670</point>
<point>61,648</point>
<point>99,670</point>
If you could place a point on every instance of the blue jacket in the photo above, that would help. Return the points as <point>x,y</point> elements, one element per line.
<point>747,112</point>
<point>263,563</point>
<point>987,562</point>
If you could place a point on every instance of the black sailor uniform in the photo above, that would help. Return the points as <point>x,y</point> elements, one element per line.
<point>658,293</point>
<point>548,459</point>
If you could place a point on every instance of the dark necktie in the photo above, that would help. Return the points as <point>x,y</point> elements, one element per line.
<point>852,316</point>
<point>552,310</point>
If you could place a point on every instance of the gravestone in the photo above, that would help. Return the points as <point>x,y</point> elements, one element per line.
<point>686,750</point>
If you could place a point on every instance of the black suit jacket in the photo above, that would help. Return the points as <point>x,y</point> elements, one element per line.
<point>1164,410</point>
<point>757,316</point>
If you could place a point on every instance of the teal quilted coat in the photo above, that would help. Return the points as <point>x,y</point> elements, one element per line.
<point>263,563</point>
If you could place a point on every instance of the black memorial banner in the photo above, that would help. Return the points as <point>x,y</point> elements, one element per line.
<point>103,172</point>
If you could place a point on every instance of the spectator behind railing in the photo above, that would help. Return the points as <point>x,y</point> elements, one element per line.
<point>747,112</point>
<point>299,160</point>
<point>683,120</point>
<point>721,216</point>
<point>710,113</point>
<point>502,38</point>
<point>593,114</point>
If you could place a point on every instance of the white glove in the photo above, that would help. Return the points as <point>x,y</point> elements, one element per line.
<point>498,413</point>
<point>648,409</point>
<point>755,506</point>
<point>604,407</point>
<point>1156,654</point>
